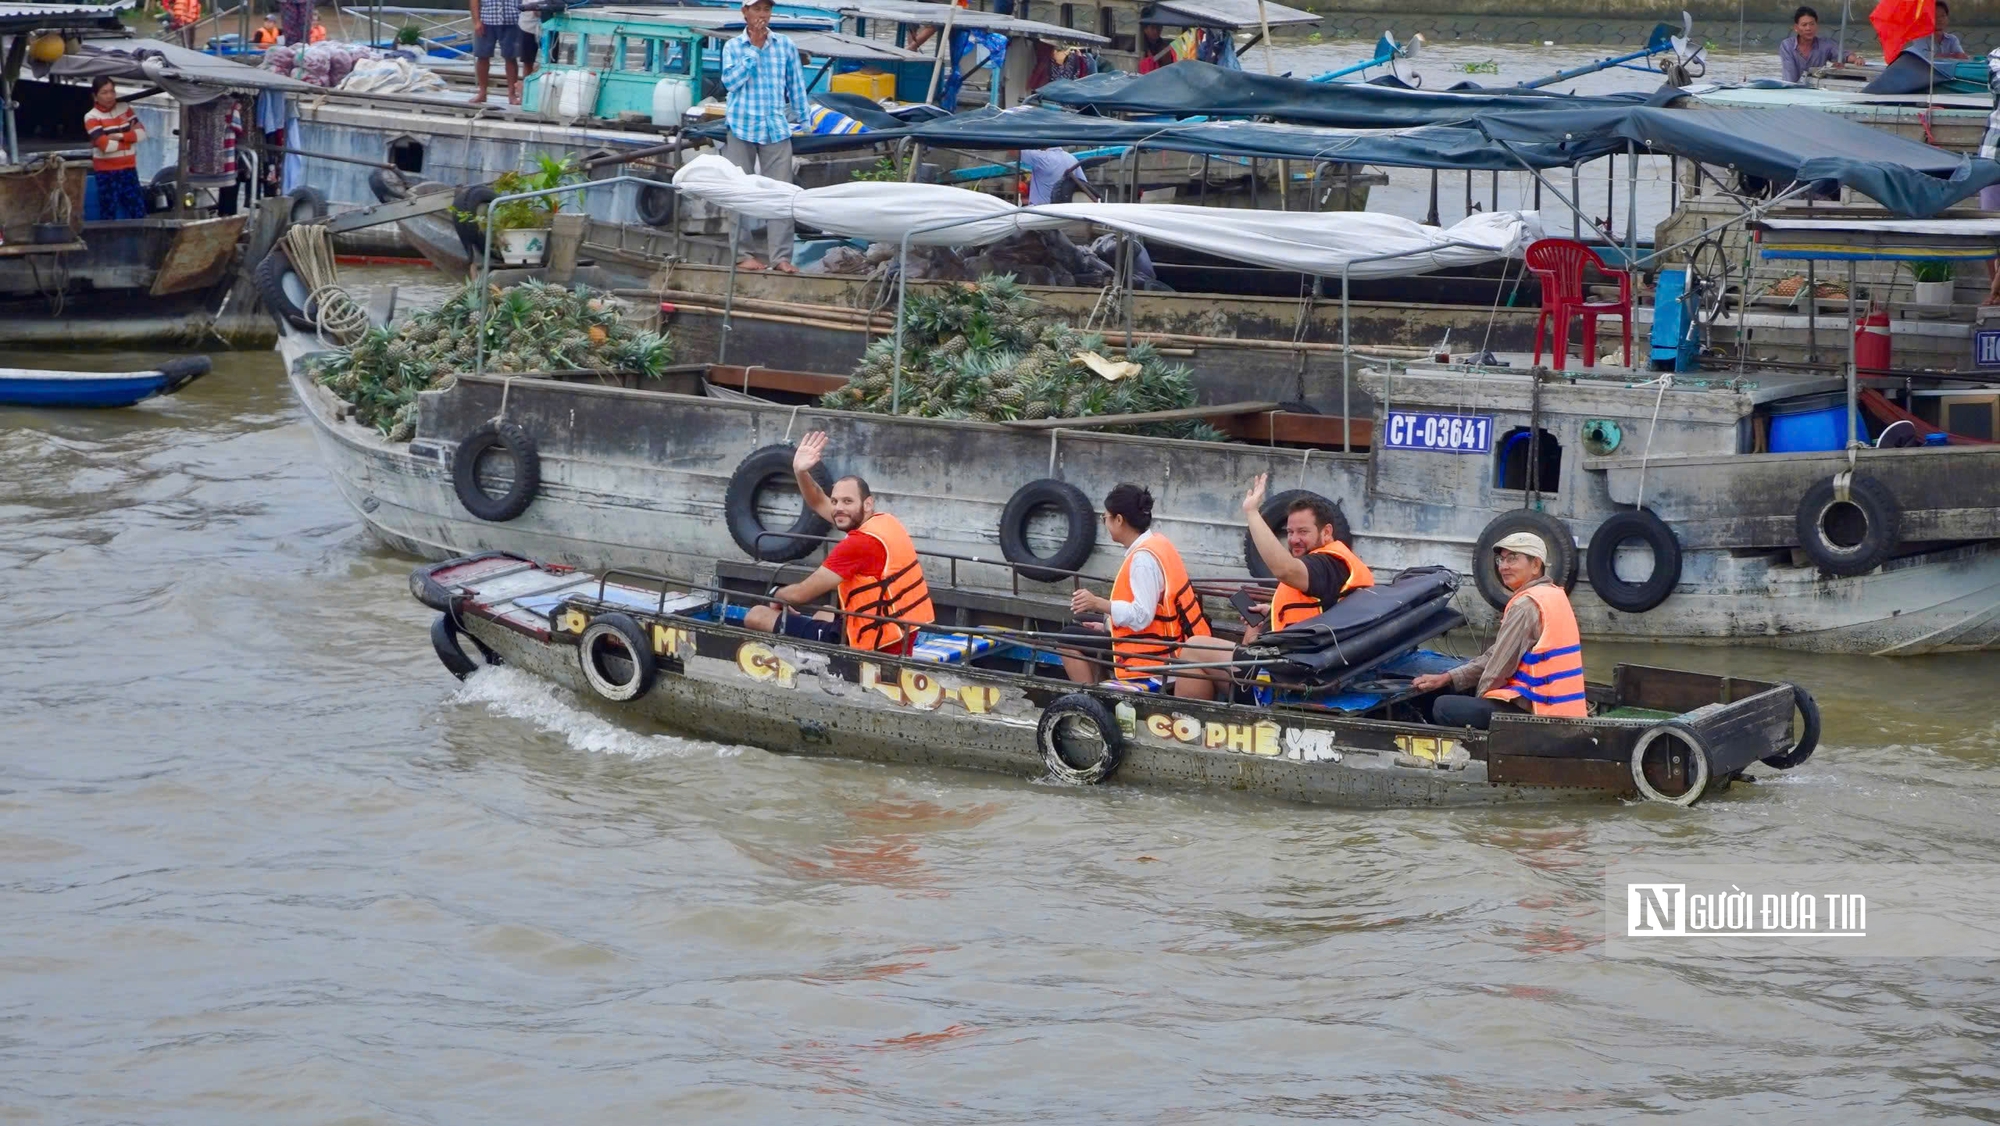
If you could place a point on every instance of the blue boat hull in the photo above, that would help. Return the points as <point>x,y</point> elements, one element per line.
<point>74,389</point>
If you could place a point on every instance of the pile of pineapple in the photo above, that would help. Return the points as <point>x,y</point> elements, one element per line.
<point>531,327</point>
<point>980,353</point>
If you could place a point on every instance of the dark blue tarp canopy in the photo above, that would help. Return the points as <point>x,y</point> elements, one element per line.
<point>1190,88</point>
<point>1783,145</point>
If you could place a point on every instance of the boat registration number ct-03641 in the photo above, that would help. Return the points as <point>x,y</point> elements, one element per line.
<point>1439,433</point>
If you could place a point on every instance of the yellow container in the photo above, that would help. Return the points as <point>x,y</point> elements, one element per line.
<point>867,83</point>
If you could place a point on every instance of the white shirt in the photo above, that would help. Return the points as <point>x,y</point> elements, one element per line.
<point>1148,582</point>
<point>1046,168</point>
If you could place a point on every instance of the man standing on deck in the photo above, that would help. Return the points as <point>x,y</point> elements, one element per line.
<point>1054,176</point>
<point>1535,663</point>
<point>1313,568</point>
<point>1805,50</point>
<point>767,92</point>
<point>873,571</point>
<point>1945,45</point>
<point>496,26</point>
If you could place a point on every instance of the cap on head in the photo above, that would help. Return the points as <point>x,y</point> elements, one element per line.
<point>1524,543</point>
<point>746,5</point>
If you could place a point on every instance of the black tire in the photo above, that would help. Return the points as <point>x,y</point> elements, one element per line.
<point>1698,758</point>
<point>388,186</point>
<point>1562,568</point>
<point>614,676</point>
<point>1851,537</point>
<point>444,642</point>
<point>1076,546</point>
<point>308,205</point>
<point>1808,732</point>
<point>1274,511</point>
<point>1072,721</point>
<point>656,205</point>
<point>183,370</point>
<point>283,292</point>
<point>511,437</point>
<point>1602,558</point>
<point>740,508</point>
<point>472,200</point>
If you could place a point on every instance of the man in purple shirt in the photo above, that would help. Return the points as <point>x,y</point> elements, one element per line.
<point>1805,50</point>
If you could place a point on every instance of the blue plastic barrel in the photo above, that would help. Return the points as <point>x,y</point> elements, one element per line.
<point>1811,423</point>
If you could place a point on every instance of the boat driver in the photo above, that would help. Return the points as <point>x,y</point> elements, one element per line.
<point>1535,663</point>
<point>1153,614</point>
<point>1313,568</point>
<point>873,572</point>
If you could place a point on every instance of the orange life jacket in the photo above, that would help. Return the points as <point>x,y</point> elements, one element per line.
<point>899,592</point>
<point>184,12</point>
<point>264,36</point>
<point>1550,675</point>
<point>318,33</point>
<point>1141,654</point>
<point>1289,607</point>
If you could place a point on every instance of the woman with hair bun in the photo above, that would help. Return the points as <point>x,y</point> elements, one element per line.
<point>1153,614</point>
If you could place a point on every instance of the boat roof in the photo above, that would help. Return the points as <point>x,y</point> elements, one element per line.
<point>1236,15</point>
<point>16,17</point>
<point>1769,93</point>
<point>700,19</point>
<point>841,45</point>
<point>1194,87</point>
<point>1877,240</point>
<point>908,11</point>
<point>190,76</point>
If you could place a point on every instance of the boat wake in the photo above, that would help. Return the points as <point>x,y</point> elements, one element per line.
<point>515,694</point>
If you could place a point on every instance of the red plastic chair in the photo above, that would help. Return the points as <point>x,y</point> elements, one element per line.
<point>1559,262</point>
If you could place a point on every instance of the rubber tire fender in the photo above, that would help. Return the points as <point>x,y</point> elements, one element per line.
<point>1808,733</point>
<point>516,440</point>
<point>388,186</point>
<point>1700,756</point>
<point>1877,506</point>
<point>309,199</point>
<point>1087,708</point>
<point>1077,544</point>
<point>739,506</point>
<point>269,278</point>
<point>1602,558</point>
<point>657,205</point>
<point>472,198</point>
<point>627,632</point>
<point>1274,511</point>
<point>1562,566</point>
<point>444,642</point>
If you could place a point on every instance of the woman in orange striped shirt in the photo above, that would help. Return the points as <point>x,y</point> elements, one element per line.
<point>114,133</point>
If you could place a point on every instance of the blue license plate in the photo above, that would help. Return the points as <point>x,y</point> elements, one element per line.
<point>1986,348</point>
<point>1438,433</point>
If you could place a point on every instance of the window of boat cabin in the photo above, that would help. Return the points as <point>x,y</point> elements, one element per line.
<point>567,47</point>
<point>1069,15</point>
<point>1512,463</point>
<point>407,154</point>
<point>1121,26</point>
<point>598,52</point>
<point>632,54</point>
<point>666,56</point>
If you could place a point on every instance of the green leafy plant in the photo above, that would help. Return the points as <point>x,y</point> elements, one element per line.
<point>884,171</point>
<point>409,35</point>
<point>528,214</point>
<point>1931,270</point>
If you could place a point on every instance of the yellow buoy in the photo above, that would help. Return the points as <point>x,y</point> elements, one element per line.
<point>47,48</point>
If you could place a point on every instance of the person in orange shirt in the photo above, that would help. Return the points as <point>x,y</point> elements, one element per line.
<point>318,31</point>
<point>1313,568</point>
<point>267,34</point>
<point>1535,663</point>
<point>114,133</point>
<point>182,15</point>
<point>874,571</point>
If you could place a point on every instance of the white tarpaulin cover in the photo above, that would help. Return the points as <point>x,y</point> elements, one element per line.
<point>1316,242</point>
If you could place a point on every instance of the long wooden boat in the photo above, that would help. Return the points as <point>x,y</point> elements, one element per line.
<point>976,698</point>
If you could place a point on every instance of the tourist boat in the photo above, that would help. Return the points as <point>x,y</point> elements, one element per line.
<point>35,387</point>
<point>1344,730</point>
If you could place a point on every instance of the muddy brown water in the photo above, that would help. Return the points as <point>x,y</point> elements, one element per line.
<point>262,860</point>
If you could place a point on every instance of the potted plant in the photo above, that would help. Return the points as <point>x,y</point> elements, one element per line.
<point>521,226</point>
<point>1934,284</point>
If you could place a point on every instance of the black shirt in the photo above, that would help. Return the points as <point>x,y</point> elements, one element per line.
<point>1325,575</point>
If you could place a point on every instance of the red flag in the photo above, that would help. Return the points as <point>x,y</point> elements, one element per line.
<point>1898,22</point>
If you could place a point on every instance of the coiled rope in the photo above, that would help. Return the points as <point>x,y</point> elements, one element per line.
<point>339,319</point>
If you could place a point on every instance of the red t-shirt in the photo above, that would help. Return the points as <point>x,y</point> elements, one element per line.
<point>858,554</point>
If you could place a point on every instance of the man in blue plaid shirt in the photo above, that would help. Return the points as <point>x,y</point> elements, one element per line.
<point>767,91</point>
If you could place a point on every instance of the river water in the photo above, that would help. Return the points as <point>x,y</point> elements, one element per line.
<point>262,861</point>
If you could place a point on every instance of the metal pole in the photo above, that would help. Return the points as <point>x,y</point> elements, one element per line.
<point>902,302</point>
<point>1346,356</point>
<point>1468,191</point>
<point>1853,360</point>
<point>1431,218</point>
<point>1575,202</point>
<point>729,292</point>
<point>1631,204</point>
<point>1812,311</point>
<point>943,52</point>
